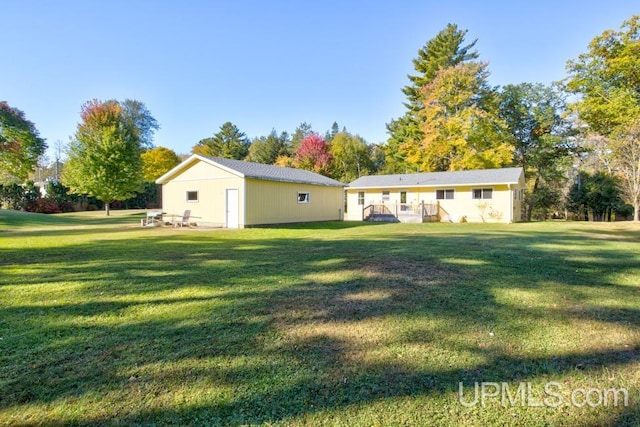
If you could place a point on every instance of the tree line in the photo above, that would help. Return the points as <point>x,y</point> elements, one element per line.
<point>580,157</point>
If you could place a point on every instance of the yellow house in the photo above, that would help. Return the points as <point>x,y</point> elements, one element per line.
<point>490,195</point>
<point>235,194</point>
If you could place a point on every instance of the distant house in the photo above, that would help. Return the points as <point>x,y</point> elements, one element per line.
<point>490,195</point>
<point>235,194</point>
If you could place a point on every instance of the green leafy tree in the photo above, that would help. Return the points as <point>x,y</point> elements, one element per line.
<point>351,157</point>
<point>535,117</point>
<point>20,145</point>
<point>608,82</point>
<point>625,150</point>
<point>141,120</point>
<point>158,161</point>
<point>447,49</point>
<point>266,149</point>
<point>228,143</point>
<point>595,196</point>
<point>461,128</point>
<point>104,157</point>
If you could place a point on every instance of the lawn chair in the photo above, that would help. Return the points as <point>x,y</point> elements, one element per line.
<point>152,219</point>
<point>185,219</point>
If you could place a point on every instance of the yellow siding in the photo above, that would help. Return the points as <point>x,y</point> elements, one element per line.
<point>211,184</point>
<point>504,206</point>
<point>272,202</point>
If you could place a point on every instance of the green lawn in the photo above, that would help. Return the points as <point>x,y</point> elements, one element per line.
<point>104,322</point>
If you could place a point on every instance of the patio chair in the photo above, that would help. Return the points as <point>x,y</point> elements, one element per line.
<point>152,219</point>
<point>184,222</point>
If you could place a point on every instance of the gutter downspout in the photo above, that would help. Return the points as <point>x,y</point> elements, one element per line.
<point>510,204</point>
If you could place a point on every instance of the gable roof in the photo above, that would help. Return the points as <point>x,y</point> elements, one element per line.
<point>441,179</point>
<point>254,170</point>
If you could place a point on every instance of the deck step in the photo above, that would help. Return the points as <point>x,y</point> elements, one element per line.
<point>382,218</point>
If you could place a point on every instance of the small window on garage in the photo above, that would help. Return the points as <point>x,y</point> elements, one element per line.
<point>192,196</point>
<point>304,198</point>
<point>361,198</point>
<point>385,196</point>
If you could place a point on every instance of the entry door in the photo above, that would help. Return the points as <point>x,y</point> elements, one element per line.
<point>232,208</point>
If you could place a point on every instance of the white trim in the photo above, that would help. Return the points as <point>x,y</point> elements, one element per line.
<point>511,205</point>
<point>471,184</point>
<point>191,160</point>
<point>200,179</point>
<point>307,199</point>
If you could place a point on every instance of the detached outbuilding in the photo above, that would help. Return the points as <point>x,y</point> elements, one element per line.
<point>235,194</point>
<point>490,195</point>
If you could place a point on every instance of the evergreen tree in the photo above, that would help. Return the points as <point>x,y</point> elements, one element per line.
<point>228,143</point>
<point>332,132</point>
<point>445,50</point>
<point>301,132</point>
<point>266,149</point>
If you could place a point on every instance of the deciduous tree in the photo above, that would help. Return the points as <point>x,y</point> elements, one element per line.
<point>313,154</point>
<point>351,157</point>
<point>141,120</point>
<point>608,82</point>
<point>20,145</point>
<point>625,149</point>
<point>158,161</point>
<point>461,128</point>
<point>535,117</point>
<point>104,157</point>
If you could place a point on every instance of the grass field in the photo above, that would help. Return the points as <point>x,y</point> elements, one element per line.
<point>103,322</point>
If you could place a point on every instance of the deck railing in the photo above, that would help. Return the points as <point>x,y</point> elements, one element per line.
<point>422,209</point>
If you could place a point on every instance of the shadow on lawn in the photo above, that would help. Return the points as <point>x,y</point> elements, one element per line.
<point>322,323</point>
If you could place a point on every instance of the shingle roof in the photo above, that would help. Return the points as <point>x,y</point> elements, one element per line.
<point>439,179</point>
<point>275,173</point>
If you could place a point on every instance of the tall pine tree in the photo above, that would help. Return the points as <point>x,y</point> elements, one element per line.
<point>445,50</point>
<point>229,143</point>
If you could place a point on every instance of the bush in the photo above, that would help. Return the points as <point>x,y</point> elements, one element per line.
<point>12,196</point>
<point>43,205</point>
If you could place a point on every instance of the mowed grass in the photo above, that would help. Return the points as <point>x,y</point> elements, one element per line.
<point>104,322</point>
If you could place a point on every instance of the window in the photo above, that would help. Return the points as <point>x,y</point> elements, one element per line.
<point>192,196</point>
<point>482,193</point>
<point>385,196</point>
<point>444,194</point>
<point>517,194</point>
<point>403,197</point>
<point>361,198</point>
<point>304,198</point>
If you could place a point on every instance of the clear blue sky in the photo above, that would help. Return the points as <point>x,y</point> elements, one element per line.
<point>268,64</point>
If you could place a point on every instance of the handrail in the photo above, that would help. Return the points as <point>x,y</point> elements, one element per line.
<point>400,209</point>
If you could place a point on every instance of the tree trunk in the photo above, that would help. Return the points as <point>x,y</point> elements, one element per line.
<point>106,208</point>
<point>636,211</point>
